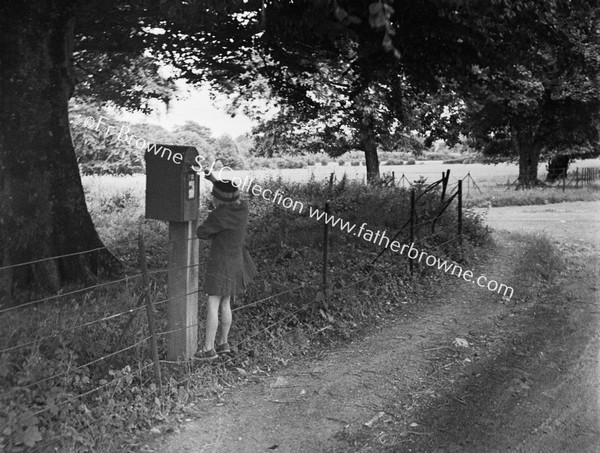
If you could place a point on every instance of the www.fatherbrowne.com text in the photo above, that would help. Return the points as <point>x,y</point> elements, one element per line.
<point>379,237</point>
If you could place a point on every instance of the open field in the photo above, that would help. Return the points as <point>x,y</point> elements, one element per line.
<point>491,179</point>
<point>484,174</point>
<point>432,170</point>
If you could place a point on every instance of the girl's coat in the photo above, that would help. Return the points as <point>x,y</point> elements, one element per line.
<point>230,268</point>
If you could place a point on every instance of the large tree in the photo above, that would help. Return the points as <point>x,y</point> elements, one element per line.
<point>533,90</point>
<point>329,64</point>
<point>521,77</point>
<point>348,116</point>
<point>103,51</point>
<point>42,204</point>
<point>49,50</point>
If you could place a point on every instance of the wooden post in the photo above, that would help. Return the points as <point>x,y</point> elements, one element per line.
<point>564,178</point>
<point>444,183</point>
<point>577,178</point>
<point>150,313</point>
<point>182,308</point>
<point>460,211</point>
<point>325,248</point>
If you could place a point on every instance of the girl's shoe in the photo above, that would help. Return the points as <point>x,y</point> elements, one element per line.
<point>206,355</point>
<point>223,348</point>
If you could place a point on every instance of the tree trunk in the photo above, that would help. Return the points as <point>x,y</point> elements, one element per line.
<point>528,151</point>
<point>43,210</point>
<point>557,167</point>
<point>529,156</point>
<point>369,146</point>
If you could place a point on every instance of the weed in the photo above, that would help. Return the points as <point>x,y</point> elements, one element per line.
<point>540,259</point>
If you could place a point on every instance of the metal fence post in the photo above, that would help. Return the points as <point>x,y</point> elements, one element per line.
<point>445,178</point>
<point>460,211</point>
<point>412,226</point>
<point>325,247</point>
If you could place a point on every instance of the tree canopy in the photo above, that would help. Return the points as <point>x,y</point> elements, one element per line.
<point>535,90</point>
<point>520,78</point>
<point>505,72</point>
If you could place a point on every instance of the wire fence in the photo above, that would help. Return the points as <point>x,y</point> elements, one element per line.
<point>575,179</point>
<point>420,227</point>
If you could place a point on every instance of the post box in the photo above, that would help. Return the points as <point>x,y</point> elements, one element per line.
<point>172,186</point>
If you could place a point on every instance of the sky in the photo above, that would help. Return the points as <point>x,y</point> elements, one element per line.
<point>197,107</point>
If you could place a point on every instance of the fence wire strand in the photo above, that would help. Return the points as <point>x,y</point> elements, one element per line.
<point>58,296</point>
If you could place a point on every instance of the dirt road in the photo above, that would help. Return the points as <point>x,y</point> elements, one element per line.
<point>567,222</point>
<point>459,369</point>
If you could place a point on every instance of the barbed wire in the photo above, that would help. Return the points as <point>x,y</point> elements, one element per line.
<point>88,288</point>
<point>105,318</point>
<point>51,258</point>
<point>69,293</point>
<point>331,292</point>
<point>285,318</point>
<point>267,298</point>
<point>156,303</point>
<point>66,255</point>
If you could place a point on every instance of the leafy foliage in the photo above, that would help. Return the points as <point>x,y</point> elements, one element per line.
<point>101,149</point>
<point>534,86</point>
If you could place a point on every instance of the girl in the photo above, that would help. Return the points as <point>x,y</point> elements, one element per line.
<point>230,268</point>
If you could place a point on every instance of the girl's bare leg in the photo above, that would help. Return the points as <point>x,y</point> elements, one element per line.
<point>225,318</point>
<point>212,321</point>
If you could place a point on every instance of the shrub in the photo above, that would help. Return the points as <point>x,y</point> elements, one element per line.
<point>394,161</point>
<point>341,162</point>
<point>454,161</point>
<point>432,155</point>
<point>355,163</point>
<point>540,259</point>
<point>411,161</point>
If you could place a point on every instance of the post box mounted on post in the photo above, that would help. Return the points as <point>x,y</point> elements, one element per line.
<point>173,194</point>
<point>172,189</point>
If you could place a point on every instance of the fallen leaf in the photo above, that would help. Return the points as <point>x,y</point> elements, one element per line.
<point>31,436</point>
<point>461,343</point>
